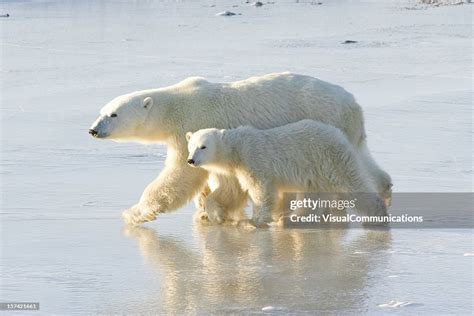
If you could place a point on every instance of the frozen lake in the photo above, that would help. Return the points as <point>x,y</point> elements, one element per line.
<point>62,192</point>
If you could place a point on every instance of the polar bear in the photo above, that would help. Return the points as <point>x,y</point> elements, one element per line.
<point>306,156</point>
<point>164,115</point>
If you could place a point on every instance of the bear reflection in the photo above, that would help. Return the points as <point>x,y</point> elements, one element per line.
<point>232,270</point>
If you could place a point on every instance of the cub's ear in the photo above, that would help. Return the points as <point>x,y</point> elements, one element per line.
<point>188,135</point>
<point>148,103</point>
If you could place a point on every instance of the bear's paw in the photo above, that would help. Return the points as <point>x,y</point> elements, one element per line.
<point>137,215</point>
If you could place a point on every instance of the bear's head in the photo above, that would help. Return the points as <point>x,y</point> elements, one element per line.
<point>123,118</point>
<point>203,147</point>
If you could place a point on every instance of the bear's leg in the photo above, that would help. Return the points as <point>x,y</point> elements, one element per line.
<point>200,203</point>
<point>176,185</point>
<point>200,199</point>
<point>370,204</point>
<point>381,178</point>
<point>367,200</point>
<point>265,200</point>
<point>215,208</point>
<point>353,182</point>
<point>227,200</point>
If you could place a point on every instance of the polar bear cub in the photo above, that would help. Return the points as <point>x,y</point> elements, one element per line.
<point>306,156</point>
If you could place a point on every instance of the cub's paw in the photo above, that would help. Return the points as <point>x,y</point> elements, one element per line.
<point>201,217</point>
<point>215,215</point>
<point>137,215</point>
<point>282,221</point>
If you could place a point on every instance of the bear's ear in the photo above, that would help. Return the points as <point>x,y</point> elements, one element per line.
<point>188,135</point>
<point>148,103</point>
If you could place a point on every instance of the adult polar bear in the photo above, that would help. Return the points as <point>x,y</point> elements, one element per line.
<point>164,115</point>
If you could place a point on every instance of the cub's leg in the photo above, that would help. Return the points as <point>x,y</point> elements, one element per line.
<point>265,199</point>
<point>225,202</point>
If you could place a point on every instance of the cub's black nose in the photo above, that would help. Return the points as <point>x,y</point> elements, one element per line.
<point>93,132</point>
<point>190,161</point>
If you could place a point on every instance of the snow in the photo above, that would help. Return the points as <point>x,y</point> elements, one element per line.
<point>62,239</point>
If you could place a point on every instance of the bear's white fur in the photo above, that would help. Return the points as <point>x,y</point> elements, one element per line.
<point>306,156</point>
<point>164,115</point>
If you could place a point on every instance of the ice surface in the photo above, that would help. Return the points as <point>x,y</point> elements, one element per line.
<point>63,243</point>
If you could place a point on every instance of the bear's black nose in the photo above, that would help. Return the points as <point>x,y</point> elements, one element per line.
<point>93,132</point>
<point>190,161</point>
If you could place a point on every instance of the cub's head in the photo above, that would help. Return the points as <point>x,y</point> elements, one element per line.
<point>203,146</point>
<point>123,118</point>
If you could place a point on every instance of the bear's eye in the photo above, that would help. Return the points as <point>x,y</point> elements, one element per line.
<point>202,147</point>
<point>113,115</point>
